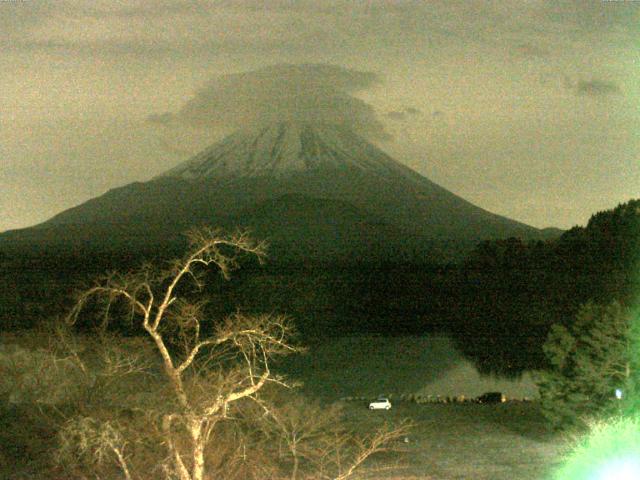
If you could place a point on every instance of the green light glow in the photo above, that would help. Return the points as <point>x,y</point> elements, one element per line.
<point>610,452</point>
<point>619,469</point>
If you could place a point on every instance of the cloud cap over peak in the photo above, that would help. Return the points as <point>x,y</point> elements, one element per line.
<point>304,92</point>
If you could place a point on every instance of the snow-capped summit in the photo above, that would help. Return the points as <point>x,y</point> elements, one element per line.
<point>282,148</point>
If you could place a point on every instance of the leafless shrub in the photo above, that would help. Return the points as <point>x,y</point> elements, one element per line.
<point>37,376</point>
<point>313,440</point>
<point>91,441</point>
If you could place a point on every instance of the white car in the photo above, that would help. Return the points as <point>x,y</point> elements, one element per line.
<point>381,403</point>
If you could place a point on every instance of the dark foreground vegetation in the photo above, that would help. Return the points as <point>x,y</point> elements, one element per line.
<point>75,407</point>
<point>446,442</point>
<point>185,399</point>
<point>499,303</point>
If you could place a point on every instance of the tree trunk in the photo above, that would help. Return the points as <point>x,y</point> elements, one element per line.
<point>183,473</point>
<point>195,428</point>
<point>296,462</point>
<point>293,446</point>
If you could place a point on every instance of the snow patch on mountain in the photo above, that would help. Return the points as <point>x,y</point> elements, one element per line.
<point>282,148</point>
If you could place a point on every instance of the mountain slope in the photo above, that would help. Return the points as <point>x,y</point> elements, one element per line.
<point>329,161</point>
<point>321,178</point>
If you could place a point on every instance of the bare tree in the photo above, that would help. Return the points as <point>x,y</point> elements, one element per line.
<point>297,427</point>
<point>208,368</point>
<point>213,372</point>
<point>341,456</point>
<point>318,442</point>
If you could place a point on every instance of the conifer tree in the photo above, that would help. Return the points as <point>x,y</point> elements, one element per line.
<point>588,361</point>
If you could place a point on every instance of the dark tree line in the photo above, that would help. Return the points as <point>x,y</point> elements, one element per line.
<point>499,303</point>
<point>515,291</point>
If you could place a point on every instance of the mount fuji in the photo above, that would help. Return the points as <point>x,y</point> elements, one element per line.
<point>312,190</point>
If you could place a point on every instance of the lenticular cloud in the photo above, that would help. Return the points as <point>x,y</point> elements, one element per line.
<point>310,92</point>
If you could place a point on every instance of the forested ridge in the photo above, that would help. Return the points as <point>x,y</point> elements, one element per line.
<point>514,291</point>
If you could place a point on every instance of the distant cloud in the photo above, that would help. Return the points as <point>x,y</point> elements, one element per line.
<point>307,92</point>
<point>402,114</point>
<point>596,88</point>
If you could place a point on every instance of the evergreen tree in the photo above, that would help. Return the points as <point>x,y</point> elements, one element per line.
<point>587,362</point>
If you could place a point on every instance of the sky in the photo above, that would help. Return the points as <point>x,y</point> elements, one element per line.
<point>526,108</point>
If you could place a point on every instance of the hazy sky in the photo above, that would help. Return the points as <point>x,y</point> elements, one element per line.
<point>529,109</point>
